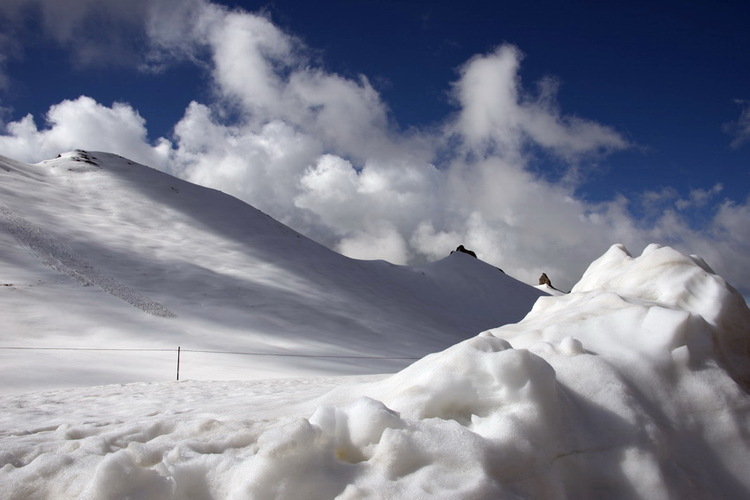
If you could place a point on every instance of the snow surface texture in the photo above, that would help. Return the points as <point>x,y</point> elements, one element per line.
<point>634,385</point>
<point>128,263</point>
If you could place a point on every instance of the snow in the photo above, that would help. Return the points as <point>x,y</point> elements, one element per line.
<point>633,385</point>
<point>549,290</point>
<point>101,253</point>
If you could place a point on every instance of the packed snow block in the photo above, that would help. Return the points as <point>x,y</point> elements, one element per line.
<point>365,450</point>
<point>468,381</point>
<point>120,476</point>
<point>456,424</point>
<point>609,324</point>
<point>357,429</point>
<point>663,277</point>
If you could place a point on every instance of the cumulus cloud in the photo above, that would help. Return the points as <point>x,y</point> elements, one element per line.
<point>498,116</point>
<point>262,74</point>
<point>83,124</point>
<point>320,152</point>
<point>259,164</point>
<point>381,241</point>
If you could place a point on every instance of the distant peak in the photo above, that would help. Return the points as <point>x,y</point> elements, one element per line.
<point>84,161</point>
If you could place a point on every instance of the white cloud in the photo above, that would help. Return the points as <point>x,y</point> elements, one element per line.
<point>262,165</point>
<point>500,118</point>
<point>328,185</point>
<point>432,243</point>
<point>83,124</point>
<point>264,74</point>
<point>95,32</point>
<point>381,241</point>
<point>740,129</point>
<point>176,29</point>
<point>654,203</point>
<point>319,152</point>
<point>699,197</point>
<point>247,51</point>
<point>724,242</point>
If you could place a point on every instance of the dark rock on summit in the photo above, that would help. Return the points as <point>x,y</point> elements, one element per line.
<point>464,250</point>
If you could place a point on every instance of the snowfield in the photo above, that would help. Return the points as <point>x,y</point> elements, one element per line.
<point>634,385</point>
<point>98,252</point>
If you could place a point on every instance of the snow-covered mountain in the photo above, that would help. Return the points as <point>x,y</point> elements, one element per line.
<point>635,385</point>
<point>99,252</point>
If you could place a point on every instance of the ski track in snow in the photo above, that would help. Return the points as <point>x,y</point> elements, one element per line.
<point>60,258</point>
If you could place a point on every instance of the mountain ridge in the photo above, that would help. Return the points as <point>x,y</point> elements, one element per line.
<point>217,274</point>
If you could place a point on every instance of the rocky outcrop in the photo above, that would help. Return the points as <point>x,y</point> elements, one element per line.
<point>544,281</point>
<point>464,250</point>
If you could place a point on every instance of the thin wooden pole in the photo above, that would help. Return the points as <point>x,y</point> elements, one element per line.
<point>178,362</point>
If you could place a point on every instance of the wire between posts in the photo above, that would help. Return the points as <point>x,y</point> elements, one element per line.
<point>179,352</point>
<point>240,353</point>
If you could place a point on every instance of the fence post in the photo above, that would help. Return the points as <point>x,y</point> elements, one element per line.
<point>178,363</point>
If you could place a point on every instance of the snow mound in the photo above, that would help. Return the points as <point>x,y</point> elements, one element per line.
<point>616,390</point>
<point>621,389</point>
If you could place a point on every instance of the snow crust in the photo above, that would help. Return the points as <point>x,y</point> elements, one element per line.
<point>631,386</point>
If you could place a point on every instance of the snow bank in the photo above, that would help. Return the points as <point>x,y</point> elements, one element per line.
<point>616,390</point>
<point>621,389</point>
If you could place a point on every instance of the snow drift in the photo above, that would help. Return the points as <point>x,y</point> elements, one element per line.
<point>634,385</point>
<point>621,389</point>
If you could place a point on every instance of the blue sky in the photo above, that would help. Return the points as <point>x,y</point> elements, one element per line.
<point>632,118</point>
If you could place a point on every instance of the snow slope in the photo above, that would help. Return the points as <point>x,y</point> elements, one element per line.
<point>98,252</point>
<point>634,385</point>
